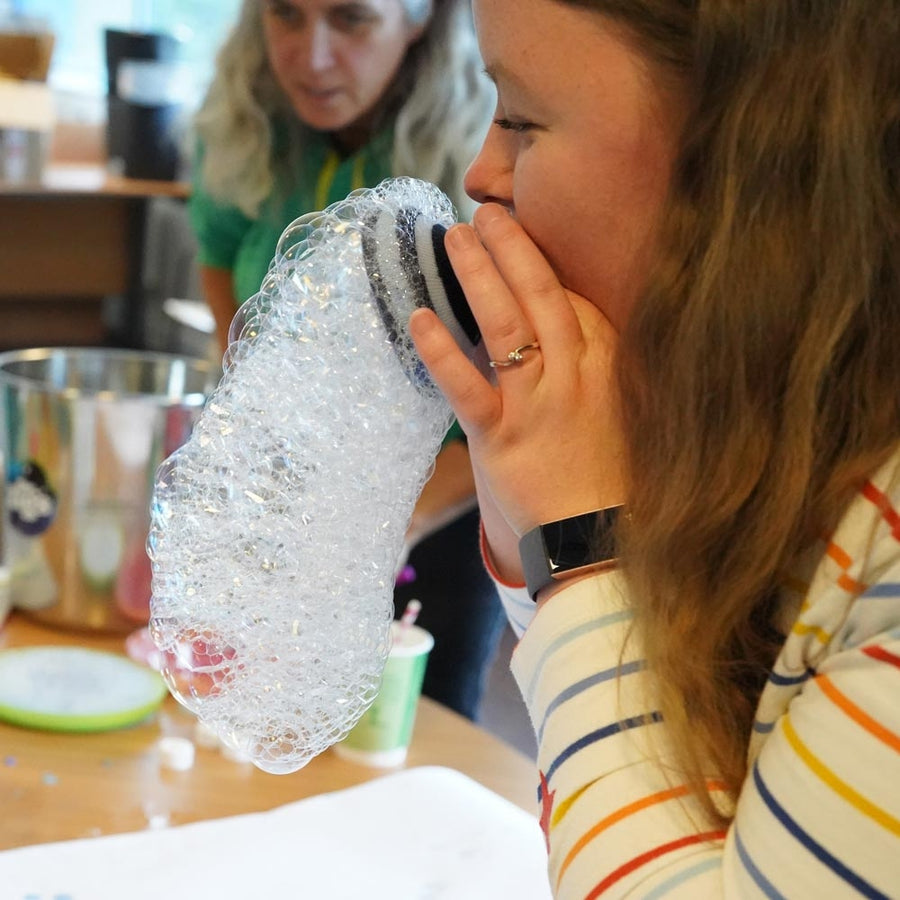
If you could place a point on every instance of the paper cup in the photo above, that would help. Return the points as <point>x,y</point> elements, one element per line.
<point>382,735</point>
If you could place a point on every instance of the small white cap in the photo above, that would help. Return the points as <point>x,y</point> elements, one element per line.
<point>176,753</point>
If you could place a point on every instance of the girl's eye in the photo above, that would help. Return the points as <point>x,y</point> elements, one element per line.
<point>512,125</point>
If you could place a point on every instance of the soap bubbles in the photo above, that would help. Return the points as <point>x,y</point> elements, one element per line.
<point>277,529</point>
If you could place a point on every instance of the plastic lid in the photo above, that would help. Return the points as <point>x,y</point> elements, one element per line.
<point>176,753</point>
<point>75,689</point>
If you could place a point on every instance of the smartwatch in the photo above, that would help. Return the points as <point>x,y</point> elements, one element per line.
<point>555,551</point>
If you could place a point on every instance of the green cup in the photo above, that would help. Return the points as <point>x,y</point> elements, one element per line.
<point>381,737</point>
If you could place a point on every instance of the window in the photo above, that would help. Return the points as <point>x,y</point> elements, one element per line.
<point>79,60</point>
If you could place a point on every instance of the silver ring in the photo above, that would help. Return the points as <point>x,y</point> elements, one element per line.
<point>514,356</point>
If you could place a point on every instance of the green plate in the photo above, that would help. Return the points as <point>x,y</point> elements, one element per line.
<point>75,689</point>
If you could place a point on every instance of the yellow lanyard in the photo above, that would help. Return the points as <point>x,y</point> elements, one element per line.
<point>329,170</point>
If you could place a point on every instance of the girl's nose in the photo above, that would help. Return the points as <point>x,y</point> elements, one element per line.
<point>489,178</point>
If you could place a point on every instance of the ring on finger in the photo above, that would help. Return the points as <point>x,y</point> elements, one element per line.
<point>514,356</point>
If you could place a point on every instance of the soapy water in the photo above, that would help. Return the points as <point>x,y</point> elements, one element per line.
<point>278,528</point>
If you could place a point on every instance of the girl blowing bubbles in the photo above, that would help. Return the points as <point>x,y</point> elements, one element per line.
<point>686,269</point>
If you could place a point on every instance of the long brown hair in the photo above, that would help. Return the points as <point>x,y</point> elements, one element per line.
<point>759,372</point>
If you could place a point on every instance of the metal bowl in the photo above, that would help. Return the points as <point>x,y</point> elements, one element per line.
<point>82,432</point>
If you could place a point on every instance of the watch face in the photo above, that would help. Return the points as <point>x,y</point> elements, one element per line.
<point>557,550</point>
<point>580,541</point>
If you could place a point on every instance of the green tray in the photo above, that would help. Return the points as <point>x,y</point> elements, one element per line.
<point>75,689</point>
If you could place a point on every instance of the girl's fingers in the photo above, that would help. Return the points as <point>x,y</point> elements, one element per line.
<point>527,274</point>
<point>500,318</point>
<point>473,399</point>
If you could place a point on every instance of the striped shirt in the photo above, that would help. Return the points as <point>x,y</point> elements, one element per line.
<point>819,813</point>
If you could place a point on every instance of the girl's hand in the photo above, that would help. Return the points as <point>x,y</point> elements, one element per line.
<point>545,439</point>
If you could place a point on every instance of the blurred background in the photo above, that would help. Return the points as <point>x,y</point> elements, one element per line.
<point>95,107</point>
<point>96,249</point>
<point>77,70</point>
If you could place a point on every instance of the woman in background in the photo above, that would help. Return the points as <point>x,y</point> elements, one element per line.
<point>313,99</point>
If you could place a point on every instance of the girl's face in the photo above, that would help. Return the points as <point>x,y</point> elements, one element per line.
<point>335,59</point>
<point>582,145</point>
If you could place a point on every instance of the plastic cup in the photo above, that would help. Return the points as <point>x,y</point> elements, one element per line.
<point>381,737</point>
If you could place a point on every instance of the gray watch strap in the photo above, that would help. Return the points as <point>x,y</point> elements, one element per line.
<point>557,550</point>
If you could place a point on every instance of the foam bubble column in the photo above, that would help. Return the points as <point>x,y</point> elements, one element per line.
<point>277,529</point>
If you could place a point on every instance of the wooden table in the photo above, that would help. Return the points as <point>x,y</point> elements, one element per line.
<point>65,244</point>
<point>61,786</point>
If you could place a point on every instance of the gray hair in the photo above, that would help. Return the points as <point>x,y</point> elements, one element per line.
<point>418,11</point>
<point>441,121</point>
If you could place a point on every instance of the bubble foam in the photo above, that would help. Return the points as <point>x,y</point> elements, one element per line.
<point>277,529</point>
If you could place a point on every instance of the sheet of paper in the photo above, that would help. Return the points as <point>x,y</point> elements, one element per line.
<point>421,834</point>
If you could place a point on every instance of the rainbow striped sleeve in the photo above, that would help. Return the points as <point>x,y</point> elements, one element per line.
<point>614,823</point>
<point>819,814</point>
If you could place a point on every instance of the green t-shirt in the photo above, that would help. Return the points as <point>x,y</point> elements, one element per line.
<point>228,239</point>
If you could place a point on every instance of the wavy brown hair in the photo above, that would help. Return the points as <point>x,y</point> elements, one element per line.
<point>759,373</point>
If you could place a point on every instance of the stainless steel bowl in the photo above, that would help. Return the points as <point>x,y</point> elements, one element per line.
<point>82,432</point>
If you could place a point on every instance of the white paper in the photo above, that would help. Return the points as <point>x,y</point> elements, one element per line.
<point>422,834</point>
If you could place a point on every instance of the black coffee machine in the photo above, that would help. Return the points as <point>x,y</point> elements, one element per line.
<point>141,136</point>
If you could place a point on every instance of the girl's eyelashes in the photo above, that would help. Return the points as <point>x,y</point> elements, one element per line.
<point>513,125</point>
